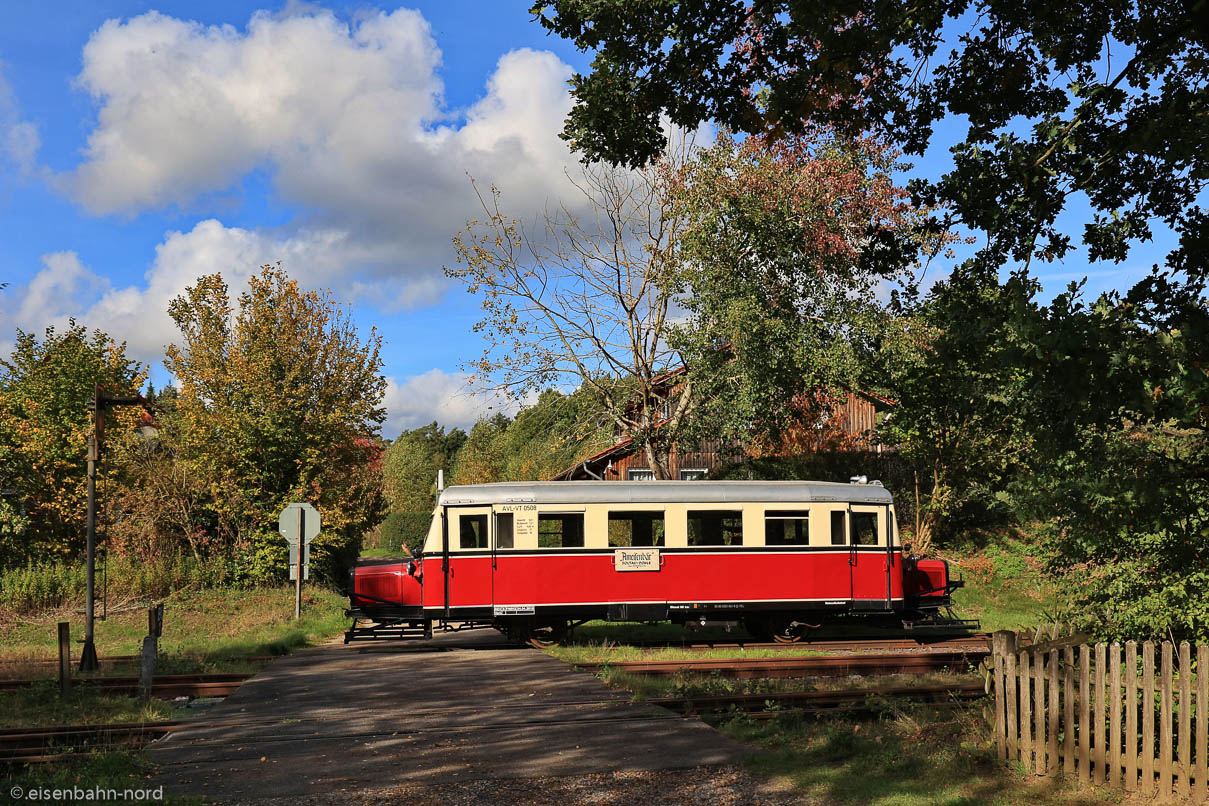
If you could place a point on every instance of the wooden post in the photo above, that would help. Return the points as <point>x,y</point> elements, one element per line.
<point>1166,735</point>
<point>999,649</point>
<point>1013,737</point>
<point>1099,756</point>
<point>1052,709</point>
<point>1131,716</point>
<point>1026,711</point>
<point>64,658</point>
<point>1147,718</point>
<point>1039,713</point>
<point>1084,714</point>
<point>1114,721</point>
<point>1202,729</point>
<point>155,621</point>
<point>1183,784</point>
<point>1068,712</point>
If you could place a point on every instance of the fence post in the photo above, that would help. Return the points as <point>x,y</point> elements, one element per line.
<point>999,649</point>
<point>1166,736</point>
<point>64,657</point>
<point>1084,714</point>
<point>1068,711</point>
<point>1114,723</point>
<point>1147,717</point>
<point>1131,716</point>
<point>1039,712</point>
<point>1013,736</point>
<point>1052,710</point>
<point>1026,711</point>
<point>1202,730</point>
<point>1101,706</point>
<point>1183,787</point>
<point>155,626</point>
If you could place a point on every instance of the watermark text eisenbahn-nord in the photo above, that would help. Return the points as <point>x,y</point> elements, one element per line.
<point>85,794</point>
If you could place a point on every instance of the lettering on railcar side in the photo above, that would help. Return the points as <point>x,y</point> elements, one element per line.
<point>636,560</point>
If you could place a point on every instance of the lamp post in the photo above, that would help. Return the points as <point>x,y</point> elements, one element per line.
<point>88,658</point>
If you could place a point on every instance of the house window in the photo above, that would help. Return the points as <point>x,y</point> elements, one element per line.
<point>472,532</point>
<point>864,529</point>
<point>560,531</point>
<point>635,529</point>
<point>715,528</point>
<point>640,474</point>
<point>786,528</point>
<point>692,473</point>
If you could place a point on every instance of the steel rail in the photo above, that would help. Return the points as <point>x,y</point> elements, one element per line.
<point>163,686</point>
<point>848,699</point>
<point>830,666</point>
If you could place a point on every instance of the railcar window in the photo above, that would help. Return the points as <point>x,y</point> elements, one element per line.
<point>503,530</point>
<point>715,528</point>
<point>864,528</point>
<point>636,529</point>
<point>472,534</point>
<point>838,538</point>
<point>786,528</point>
<point>560,531</point>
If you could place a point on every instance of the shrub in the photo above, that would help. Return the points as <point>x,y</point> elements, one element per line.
<point>404,531</point>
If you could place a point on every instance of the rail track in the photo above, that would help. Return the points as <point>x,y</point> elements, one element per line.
<point>116,660</point>
<point>36,745</point>
<point>977,640</point>
<point>847,700</point>
<point>163,686</point>
<point>813,666</point>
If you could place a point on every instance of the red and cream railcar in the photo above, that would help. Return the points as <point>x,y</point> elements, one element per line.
<point>532,558</point>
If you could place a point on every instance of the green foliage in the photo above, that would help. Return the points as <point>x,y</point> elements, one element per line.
<point>46,388</point>
<point>410,465</point>
<point>404,532</point>
<point>1049,106</point>
<point>953,364</point>
<point>280,404</point>
<point>43,586</point>
<point>542,440</point>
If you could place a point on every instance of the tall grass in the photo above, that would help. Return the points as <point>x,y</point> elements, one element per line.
<point>52,585</point>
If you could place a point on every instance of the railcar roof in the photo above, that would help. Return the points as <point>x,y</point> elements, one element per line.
<point>661,492</point>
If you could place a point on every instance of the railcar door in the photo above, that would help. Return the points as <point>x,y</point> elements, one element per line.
<point>468,568</point>
<point>867,558</point>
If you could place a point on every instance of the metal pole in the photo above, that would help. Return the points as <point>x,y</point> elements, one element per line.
<point>298,576</point>
<point>64,658</point>
<point>88,658</point>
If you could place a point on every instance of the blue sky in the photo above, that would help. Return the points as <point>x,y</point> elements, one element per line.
<point>141,146</point>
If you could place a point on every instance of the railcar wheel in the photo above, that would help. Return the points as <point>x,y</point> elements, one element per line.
<point>547,635</point>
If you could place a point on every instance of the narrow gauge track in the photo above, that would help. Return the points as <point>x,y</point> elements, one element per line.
<point>820,701</point>
<point>978,640</point>
<point>164,686</point>
<point>118,659</point>
<point>834,666</point>
<point>35,745</point>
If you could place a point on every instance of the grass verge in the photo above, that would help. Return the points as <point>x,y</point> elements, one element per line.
<point>124,772</point>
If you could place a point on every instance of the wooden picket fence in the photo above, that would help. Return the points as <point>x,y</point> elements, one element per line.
<point>1066,707</point>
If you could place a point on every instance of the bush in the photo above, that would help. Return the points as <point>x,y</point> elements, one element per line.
<point>404,531</point>
<point>56,585</point>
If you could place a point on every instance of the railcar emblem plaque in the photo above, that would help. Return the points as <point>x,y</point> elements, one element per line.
<point>636,560</point>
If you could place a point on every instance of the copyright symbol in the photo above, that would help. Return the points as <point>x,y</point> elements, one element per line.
<point>16,792</point>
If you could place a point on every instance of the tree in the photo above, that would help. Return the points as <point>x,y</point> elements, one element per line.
<point>281,403</point>
<point>786,245</point>
<point>583,302</point>
<point>1106,101</point>
<point>46,388</point>
<point>410,465</point>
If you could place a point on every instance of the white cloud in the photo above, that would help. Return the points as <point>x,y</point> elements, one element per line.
<point>437,395</point>
<point>19,139</point>
<point>349,120</point>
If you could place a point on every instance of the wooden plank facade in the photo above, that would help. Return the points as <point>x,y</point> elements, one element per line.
<point>625,462</point>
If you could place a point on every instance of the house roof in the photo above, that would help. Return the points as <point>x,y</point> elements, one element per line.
<point>659,492</point>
